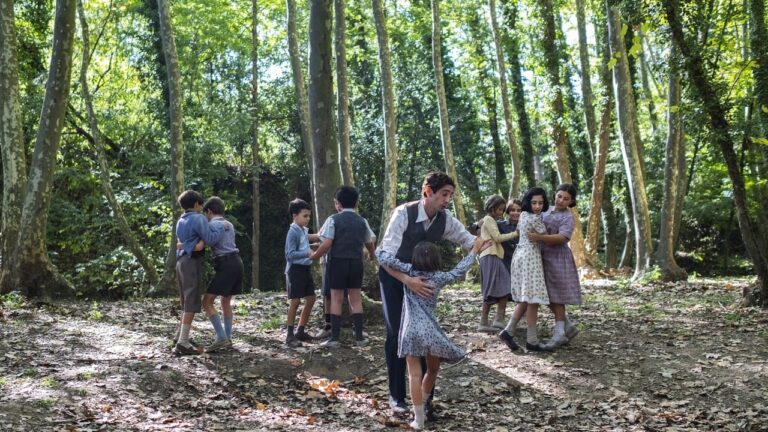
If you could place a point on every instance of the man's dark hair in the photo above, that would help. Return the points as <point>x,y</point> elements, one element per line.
<point>297,205</point>
<point>215,205</point>
<point>571,189</point>
<point>426,257</point>
<point>437,180</point>
<point>189,198</point>
<point>347,196</point>
<point>532,192</point>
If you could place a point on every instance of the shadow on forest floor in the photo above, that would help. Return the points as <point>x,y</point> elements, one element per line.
<point>651,357</point>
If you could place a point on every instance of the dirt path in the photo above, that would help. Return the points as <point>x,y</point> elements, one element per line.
<point>656,357</point>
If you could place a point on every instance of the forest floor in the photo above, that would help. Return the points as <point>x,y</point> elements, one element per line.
<point>649,357</point>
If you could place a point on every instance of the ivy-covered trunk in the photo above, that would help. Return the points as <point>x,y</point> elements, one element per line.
<point>255,158</point>
<point>342,95</point>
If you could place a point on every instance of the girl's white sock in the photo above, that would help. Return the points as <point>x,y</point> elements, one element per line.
<point>511,325</point>
<point>559,328</point>
<point>418,417</point>
<point>533,335</point>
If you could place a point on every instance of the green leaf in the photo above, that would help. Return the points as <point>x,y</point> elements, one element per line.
<point>758,140</point>
<point>674,108</point>
<point>765,109</point>
<point>612,63</point>
<point>624,29</point>
<point>635,50</point>
<point>645,27</point>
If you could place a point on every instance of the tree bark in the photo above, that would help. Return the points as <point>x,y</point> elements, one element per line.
<point>255,158</point>
<point>167,284</point>
<point>300,93</point>
<point>11,135</point>
<point>104,172</point>
<point>442,104</point>
<point>720,128</point>
<point>630,143</point>
<point>509,9</point>
<point>758,41</point>
<point>610,225</point>
<point>390,117</point>
<point>514,190</point>
<point>28,267</point>
<point>665,254</point>
<point>342,95</point>
<point>325,148</point>
<point>586,80</point>
<point>559,133</point>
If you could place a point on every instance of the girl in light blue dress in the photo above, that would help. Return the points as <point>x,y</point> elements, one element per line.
<point>420,333</point>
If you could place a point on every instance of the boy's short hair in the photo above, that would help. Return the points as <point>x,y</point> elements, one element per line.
<point>437,180</point>
<point>215,205</point>
<point>297,205</point>
<point>426,257</point>
<point>532,192</point>
<point>189,198</point>
<point>516,202</point>
<point>571,189</point>
<point>347,196</point>
<point>492,202</point>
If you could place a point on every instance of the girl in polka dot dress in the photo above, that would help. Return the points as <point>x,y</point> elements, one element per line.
<point>420,333</point>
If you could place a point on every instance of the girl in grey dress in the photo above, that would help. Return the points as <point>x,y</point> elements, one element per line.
<point>420,333</point>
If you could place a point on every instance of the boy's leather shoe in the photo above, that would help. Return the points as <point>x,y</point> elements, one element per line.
<point>303,336</point>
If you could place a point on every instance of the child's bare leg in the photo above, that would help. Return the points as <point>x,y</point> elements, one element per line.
<point>309,302</point>
<point>428,383</point>
<point>292,307</point>
<point>501,310</point>
<point>415,385</point>
<point>532,316</point>
<point>337,298</point>
<point>484,314</point>
<point>517,315</point>
<point>356,311</point>
<point>208,306</point>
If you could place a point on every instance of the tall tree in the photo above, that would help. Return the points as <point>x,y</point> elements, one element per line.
<point>442,105</point>
<point>342,94</point>
<point>325,156</point>
<point>28,267</point>
<point>101,158</point>
<point>713,105</point>
<point>514,190</point>
<point>586,80</point>
<point>630,141</point>
<point>11,134</point>
<point>559,134</point>
<point>255,159</point>
<point>167,283</point>
<point>758,43</point>
<point>390,118</point>
<point>665,253</point>
<point>512,44</point>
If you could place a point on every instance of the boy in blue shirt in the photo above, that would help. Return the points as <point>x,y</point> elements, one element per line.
<point>298,277</point>
<point>191,228</point>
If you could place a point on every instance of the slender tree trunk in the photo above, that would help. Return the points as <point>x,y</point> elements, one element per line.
<point>586,80</point>
<point>713,106</point>
<point>665,254</point>
<point>498,154</point>
<point>104,171</point>
<point>28,267</point>
<point>601,158</point>
<point>442,104</point>
<point>509,9</point>
<point>630,144</point>
<point>11,136</point>
<point>514,190</point>
<point>390,117</point>
<point>300,93</point>
<point>255,158</point>
<point>324,145</point>
<point>342,95</point>
<point>559,133</point>
<point>167,284</point>
<point>644,72</point>
<point>628,253</point>
<point>610,225</point>
<point>758,41</point>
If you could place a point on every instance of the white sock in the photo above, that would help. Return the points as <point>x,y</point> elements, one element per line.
<point>418,415</point>
<point>533,335</point>
<point>559,328</point>
<point>511,325</point>
<point>184,335</point>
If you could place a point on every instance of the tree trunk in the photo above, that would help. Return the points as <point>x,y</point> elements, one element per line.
<point>630,143</point>
<point>442,104</point>
<point>342,95</point>
<point>104,171</point>
<point>390,117</point>
<point>601,158</point>
<point>665,254</point>
<point>714,107</point>
<point>167,284</point>
<point>610,225</point>
<point>559,134</point>
<point>629,241</point>
<point>514,190</point>
<point>300,92</point>
<point>512,44</point>
<point>758,40</point>
<point>325,148</point>
<point>498,154</point>
<point>586,81</point>
<point>11,135</point>
<point>644,72</point>
<point>255,158</point>
<point>28,267</point>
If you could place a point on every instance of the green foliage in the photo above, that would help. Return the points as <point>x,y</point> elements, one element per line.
<point>46,403</point>
<point>50,382</point>
<point>95,313</point>
<point>652,275</point>
<point>274,322</point>
<point>13,300</point>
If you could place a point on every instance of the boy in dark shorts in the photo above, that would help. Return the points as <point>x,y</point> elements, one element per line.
<point>191,228</point>
<point>228,279</point>
<point>343,236</point>
<point>298,277</point>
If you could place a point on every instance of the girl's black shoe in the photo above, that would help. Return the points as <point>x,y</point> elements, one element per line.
<point>537,347</point>
<point>508,340</point>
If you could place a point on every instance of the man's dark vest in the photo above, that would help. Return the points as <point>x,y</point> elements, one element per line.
<point>349,235</point>
<point>415,233</point>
